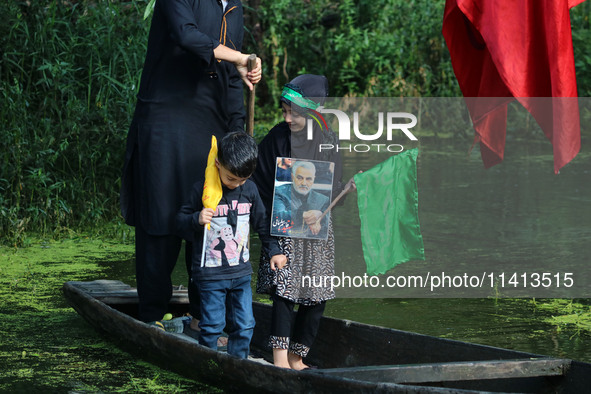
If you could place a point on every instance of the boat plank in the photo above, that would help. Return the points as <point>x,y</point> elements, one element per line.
<point>454,371</point>
<point>122,298</point>
<point>114,292</point>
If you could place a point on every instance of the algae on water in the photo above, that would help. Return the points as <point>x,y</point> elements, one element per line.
<point>46,346</point>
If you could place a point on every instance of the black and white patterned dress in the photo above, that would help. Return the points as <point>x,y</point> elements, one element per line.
<point>306,258</point>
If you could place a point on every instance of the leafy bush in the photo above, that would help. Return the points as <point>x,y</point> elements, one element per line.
<point>581,28</point>
<point>365,48</point>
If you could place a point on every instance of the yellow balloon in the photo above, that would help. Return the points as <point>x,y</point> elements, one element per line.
<point>212,187</point>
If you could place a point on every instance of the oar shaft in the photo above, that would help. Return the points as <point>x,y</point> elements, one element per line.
<point>252,62</point>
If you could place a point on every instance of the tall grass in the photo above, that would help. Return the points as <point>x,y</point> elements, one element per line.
<point>68,77</point>
<point>581,29</point>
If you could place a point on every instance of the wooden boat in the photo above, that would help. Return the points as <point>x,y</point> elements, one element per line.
<point>352,357</point>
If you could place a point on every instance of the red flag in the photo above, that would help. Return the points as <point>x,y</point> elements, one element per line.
<point>504,50</point>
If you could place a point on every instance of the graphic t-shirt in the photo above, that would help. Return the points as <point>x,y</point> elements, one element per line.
<point>226,254</point>
<point>226,241</point>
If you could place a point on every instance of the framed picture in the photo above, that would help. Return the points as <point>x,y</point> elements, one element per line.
<point>301,196</point>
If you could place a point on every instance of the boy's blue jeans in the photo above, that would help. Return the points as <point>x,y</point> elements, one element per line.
<point>227,300</point>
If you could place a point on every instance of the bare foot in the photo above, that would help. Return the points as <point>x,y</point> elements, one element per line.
<point>295,362</point>
<point>280,358</point>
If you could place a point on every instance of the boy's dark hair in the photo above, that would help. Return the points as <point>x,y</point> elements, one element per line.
<point>238,153</point>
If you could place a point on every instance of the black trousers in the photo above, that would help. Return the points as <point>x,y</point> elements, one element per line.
<point>301,327</point>
<point>155,258</point>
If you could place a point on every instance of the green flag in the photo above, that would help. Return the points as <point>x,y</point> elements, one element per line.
<point>387,197</point>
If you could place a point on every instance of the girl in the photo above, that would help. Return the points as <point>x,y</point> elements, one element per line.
<point>291,338</point>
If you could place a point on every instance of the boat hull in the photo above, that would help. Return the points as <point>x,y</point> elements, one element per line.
<point>353,357</point>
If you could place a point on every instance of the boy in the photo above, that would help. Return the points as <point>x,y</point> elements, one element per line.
<point>222,268</point>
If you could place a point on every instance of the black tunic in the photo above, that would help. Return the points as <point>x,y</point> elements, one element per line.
<point>185,96</point>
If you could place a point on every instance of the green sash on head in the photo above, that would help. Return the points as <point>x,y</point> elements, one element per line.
<point>298,99</point>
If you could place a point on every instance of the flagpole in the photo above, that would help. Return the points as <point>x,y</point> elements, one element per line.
<point>336,200</point>
<point>203,249</point>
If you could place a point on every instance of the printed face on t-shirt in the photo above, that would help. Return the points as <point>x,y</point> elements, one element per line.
<point>226,233</point>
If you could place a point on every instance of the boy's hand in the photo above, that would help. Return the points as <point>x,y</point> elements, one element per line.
<point>205,216</point>
<point>278,261</point>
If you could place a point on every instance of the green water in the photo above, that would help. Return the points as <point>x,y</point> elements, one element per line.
<point>44,344</point>
<point>516,216</point>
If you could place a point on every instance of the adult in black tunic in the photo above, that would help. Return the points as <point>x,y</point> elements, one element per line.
<point>190,89</point>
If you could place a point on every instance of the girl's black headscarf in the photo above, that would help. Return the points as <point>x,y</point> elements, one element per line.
<point>305,93</point>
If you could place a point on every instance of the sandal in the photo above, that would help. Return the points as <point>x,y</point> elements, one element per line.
<point>157,323</point>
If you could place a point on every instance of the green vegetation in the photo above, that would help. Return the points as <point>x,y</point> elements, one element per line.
<point>581,28</point>
<point>68,78</point>
<point>46,346</point>
<point>567,314</point>
<point>69,73</point>
<point>365,48</point>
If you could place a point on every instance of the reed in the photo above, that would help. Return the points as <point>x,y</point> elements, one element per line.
<point>69,75</point>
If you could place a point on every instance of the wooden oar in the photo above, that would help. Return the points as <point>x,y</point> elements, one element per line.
<point>252,62</point>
